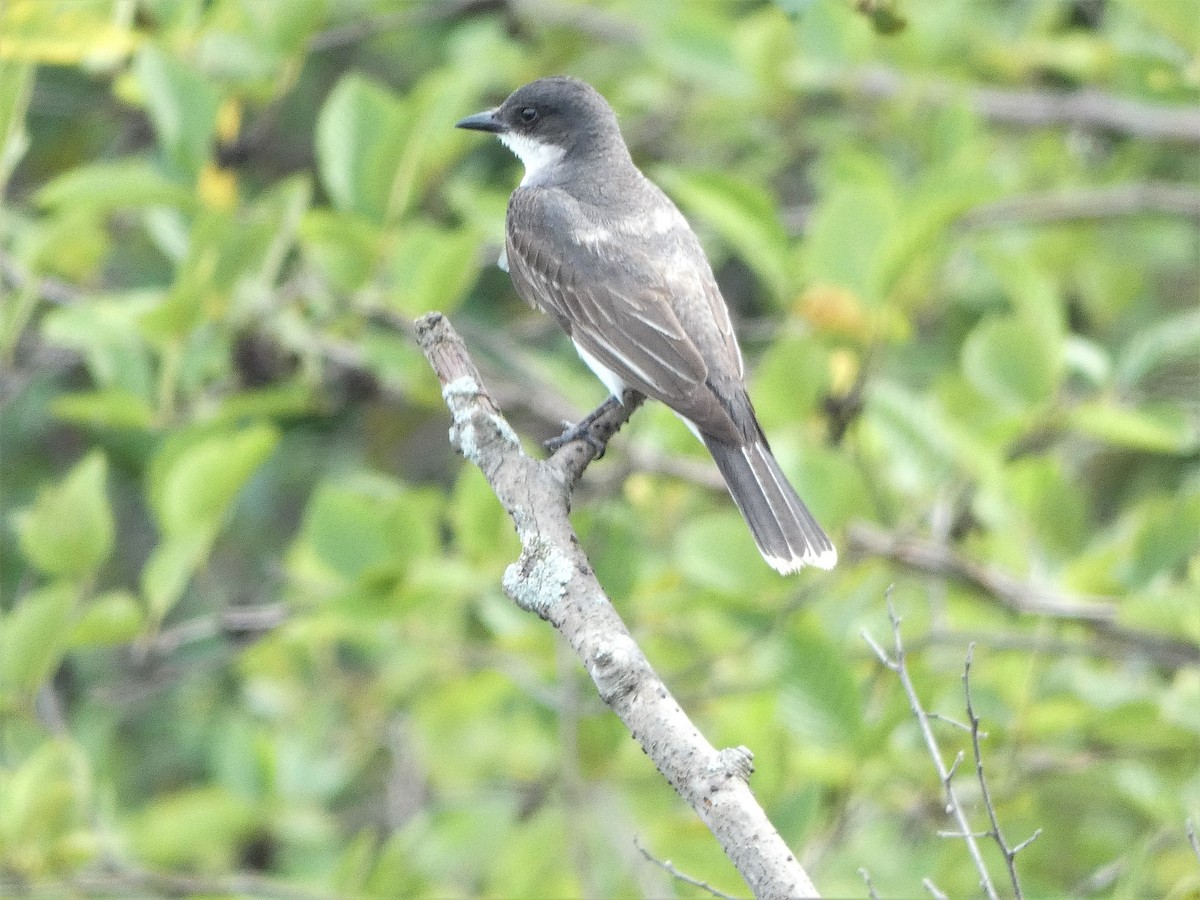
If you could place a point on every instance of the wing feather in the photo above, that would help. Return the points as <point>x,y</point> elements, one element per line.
<point>610,295</point>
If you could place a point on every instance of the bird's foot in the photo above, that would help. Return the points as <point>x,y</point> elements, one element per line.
<point>579,432</point>
<point>583,431</point>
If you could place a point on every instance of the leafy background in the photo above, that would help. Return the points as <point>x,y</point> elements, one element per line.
<point>252,634</point>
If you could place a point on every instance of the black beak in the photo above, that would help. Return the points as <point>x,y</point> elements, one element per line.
<point>483,121</point>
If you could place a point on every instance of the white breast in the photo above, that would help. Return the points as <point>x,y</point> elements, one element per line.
<point>536,156</point>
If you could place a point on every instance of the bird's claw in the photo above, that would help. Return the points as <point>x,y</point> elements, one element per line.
<point>582,431</point>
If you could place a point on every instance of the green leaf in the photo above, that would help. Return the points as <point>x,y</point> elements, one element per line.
<point>281,211</point>
<point>431,268</point>
<point>920,229</point>
<point>44,802</point>
<point>790,379</point>
<point>1167,537</point>
<point>483,533</point>
<point>342,247</point>
<point>1011,362</point>
<point>113,408</point>
<point>105,186</point>
<point>34,636</point>
<point>68,531</point>
<point>819,701</point>
<point>844,242</point>
<point>1163,429</point>
<point>182,105</point>
<point>1172,340</point>
<point>170,567</point>
<point>364,528</point>
<point>696,48</point>
<point>921,443</point>
<point>202,827</point>
<point>200,480</point>
<point>429,137</point>
<point>105,331</point>
<point>112,618</point>
<point>716,551</point>
<point>284,24</point>
<point>358,147</point>
<point>744,215</point>
<point>17,81</point>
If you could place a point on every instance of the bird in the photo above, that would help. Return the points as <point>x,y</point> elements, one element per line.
<point>591,241</point>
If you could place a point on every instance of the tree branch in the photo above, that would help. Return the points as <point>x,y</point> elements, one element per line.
<point>553,579</point>
<point>897,663</point>
<point>1016,595</point>
<point>1087,108</point>
<point>1089,204</point>
<point>1010,853</point>
<point>1097,613</point>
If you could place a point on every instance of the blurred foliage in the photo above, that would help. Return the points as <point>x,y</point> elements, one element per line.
<point>250,608</point>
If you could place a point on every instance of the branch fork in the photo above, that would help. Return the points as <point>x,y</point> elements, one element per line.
<point>553,579</point>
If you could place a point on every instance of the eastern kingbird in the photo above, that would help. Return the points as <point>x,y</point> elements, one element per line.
<point>591,241</point>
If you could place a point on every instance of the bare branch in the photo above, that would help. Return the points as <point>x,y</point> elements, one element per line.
<point>1037,832</point>
<point>52,290</point>
<point>234,620</point>
<point>1013,593</point>
<point>554,579</point>
<point>866,876</point>
<point>124,882</point>
<point>1088,204</point>
<point>949,721</point>
<point>1109,201</point>
<point>1192,839</point>
<point>946,775</point>
<point>667,866</point>
<point>1010,853</point>
<point>879,651</point>
<point>934,890</point>
<point>1097,613</point>
<point>1169,652</point>
<point>1088,108</point>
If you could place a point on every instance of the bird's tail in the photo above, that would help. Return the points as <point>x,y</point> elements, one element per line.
<point>787,535</point>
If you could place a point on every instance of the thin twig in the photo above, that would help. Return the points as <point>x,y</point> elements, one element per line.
<point>934,890</point>
<point>1190,829</point>
<point>368,27</point>
<point>949,721</point>
<point>133,882</point>
<point>235,620</point>
<point>898,665</point>
<point>1010,853</point>
<point>667,866</point>
<point>866,876</point>
<point>52,290</point>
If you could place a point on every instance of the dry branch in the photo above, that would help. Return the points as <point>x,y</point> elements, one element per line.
<point>553,579</point>
<point>1097,614</point>
<point>1086,108</point>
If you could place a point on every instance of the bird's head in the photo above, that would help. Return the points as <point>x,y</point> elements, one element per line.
<point>548,120</point>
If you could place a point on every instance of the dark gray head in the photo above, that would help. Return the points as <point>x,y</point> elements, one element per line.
<point>550,120</point>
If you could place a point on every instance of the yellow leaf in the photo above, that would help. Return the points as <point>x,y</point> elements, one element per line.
<point>66,32</point>
<point>229,119</point>
<point>832,308</point>
<point>217,187</point>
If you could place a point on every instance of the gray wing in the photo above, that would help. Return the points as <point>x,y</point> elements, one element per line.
<point>617,299</point>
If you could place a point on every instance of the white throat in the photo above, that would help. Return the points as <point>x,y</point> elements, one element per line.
<point>536,156</point>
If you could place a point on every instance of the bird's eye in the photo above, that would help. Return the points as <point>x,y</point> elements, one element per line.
<point>529,114</point>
